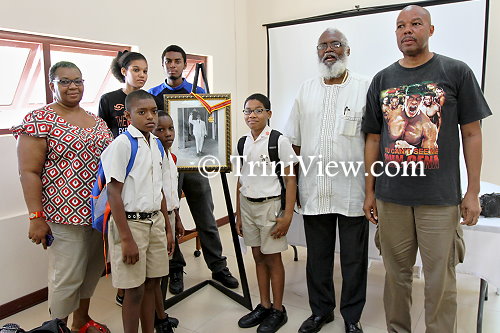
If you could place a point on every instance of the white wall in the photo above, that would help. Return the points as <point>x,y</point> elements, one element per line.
<point>24,266</point>
<point>233,36</point>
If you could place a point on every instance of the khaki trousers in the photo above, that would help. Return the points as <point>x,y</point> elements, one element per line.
<point>437,233</point>
<point>76,262</point>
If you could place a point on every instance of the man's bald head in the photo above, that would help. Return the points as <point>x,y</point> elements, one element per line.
<point>413,30</point>
<point>424,13</point>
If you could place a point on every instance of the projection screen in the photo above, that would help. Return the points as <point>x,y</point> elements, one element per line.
<point>460,32</point>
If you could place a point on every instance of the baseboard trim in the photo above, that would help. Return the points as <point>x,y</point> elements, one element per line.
<point>23,303</point>
<point>40,296</point>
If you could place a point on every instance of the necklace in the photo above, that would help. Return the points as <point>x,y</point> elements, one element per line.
<point>331,81</point>
<point>345,77</point>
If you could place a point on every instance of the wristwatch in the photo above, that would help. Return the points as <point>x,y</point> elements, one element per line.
<point>35,215</point>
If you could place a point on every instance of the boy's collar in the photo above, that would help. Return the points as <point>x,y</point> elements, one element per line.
<point>138,134</point>
<point>265,132</point>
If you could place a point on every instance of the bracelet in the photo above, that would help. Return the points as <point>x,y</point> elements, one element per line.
<point>36,215</point>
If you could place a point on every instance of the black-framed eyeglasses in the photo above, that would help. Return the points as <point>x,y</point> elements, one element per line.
<point>333,45</point>
<point>67,82</point>
<point>248,112</point>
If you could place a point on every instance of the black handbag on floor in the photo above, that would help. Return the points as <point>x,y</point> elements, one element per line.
<point>490,205</point>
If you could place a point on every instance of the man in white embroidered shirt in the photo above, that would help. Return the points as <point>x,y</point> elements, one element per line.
<point>324,128</point>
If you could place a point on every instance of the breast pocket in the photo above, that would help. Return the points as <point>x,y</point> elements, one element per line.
<point>350,123</point>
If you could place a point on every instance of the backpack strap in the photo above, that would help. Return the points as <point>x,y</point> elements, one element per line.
<point>274,157</point>
<point>160,146</point>
<point>241,145</point>
<point>133,152</point>
<point>273,146</point>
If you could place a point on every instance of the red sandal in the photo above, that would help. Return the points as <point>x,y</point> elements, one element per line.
<point>92,323</point>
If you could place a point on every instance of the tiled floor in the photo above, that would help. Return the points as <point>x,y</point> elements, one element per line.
<point>209,311</point>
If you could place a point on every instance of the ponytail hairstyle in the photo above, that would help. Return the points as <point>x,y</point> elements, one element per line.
<point>123,60</point>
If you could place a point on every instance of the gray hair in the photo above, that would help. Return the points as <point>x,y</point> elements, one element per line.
<point>343,38</point>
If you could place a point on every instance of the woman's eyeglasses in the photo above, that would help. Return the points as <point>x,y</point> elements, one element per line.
<point>67,82</point>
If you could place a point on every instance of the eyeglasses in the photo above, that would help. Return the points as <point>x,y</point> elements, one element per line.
<point>333,45</point>
<point>67,82</point>
<point>248,112</point>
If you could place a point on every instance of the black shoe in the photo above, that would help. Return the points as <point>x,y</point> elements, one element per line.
<point>255,317</point>
<point>314,323</point>
<point>119,300</point>
<point>176,283</point>
<point>273,322</point>
<point>353,327</point>
<point>164,327</point>
<point>173,321</point>
<point>226,278</point>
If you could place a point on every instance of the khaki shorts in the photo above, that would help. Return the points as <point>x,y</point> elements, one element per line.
<point>258,220</point>
<point>150,237</point>
<point>76,262</point>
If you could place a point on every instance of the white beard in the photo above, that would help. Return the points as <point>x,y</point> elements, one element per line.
<point>336,70</point>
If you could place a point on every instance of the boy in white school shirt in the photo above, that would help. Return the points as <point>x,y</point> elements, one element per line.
<point>165,132</point>
<point>258,211</point>
<point>138,236</point>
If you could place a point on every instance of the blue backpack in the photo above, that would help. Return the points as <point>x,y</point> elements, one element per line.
<point>101,211</point>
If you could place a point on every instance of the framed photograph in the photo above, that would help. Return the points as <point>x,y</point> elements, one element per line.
<point>202,137</point>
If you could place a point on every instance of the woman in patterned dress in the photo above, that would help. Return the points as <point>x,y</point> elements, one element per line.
<point>58,152</point>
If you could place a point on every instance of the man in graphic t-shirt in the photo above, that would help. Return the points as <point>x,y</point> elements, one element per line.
<point>422,212</point>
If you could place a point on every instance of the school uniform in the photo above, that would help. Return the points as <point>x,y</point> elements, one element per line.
<point>260,191</point>
<point>142,196</point>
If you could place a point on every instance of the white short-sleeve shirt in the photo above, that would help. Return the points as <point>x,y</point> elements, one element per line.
<point>326,123</point>
<point>142,188</point>
<point>170,183</point>
<point>260,181</point>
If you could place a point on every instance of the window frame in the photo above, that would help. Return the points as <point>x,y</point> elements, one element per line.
<point>191,61</point>
<point>48,43</point>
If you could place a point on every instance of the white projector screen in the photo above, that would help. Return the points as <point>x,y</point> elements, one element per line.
<point>459,33</point>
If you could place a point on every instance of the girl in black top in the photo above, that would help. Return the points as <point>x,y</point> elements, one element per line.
<point>130,68</point>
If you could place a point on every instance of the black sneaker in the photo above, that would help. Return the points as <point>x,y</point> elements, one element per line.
<point>119,299</point>
<point>273,322</point>
<point>164,327</point>
<point>176,283</point>
<point>255,317</point>
<point>226,278</point>
<point>173,321</point>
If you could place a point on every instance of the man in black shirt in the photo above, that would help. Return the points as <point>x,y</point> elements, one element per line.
<point>422,212</point>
